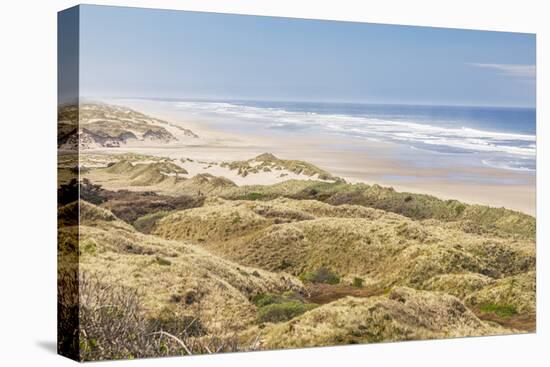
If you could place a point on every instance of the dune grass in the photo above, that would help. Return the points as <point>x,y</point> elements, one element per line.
<point>385,266</point>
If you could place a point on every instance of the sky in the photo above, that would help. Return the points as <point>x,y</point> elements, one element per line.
<point>133,52</point>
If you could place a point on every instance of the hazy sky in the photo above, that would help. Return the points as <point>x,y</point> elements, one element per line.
<point>130,52</point>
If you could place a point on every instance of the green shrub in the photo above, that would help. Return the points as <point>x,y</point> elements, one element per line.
<point>265,299</point>
<point>321,275</point>
<point>280,307</point>
<point>357,282</point>
<point>279,312</point>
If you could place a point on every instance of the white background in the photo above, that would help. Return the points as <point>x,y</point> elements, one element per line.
<point>28,181</point>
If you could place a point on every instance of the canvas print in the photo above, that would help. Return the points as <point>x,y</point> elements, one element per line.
<point>232,183</point>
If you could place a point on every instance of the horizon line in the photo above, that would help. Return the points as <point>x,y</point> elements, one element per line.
<point>218,99</point>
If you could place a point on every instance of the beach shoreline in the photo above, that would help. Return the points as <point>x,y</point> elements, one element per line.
<point>355,160</point>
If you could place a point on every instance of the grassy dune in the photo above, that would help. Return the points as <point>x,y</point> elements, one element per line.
<point>402,314</point>
<point>302,263</point>
<point>471,218</point>
<point>161,177</point>
<point>267,162</point>
<point>102,125</point>
<point>303,236</point>
<point>477,219</point>
<point>174,276</point>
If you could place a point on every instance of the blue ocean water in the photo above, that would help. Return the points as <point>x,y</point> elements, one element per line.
<point>498,137</point>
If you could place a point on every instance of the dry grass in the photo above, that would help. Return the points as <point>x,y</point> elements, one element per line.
<point>518,291</point>
<point>267,162</point>
<point>302,236</point>
<point>403,314</point>
<point>459,285</point>
<point>288,235</point>
<point>467,263</point>
<point>159,177</point>
<point>468,218</point>
<point>102,321</point>
<point>123,256</point>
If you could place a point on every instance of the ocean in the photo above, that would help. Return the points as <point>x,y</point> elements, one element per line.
<point>498,137</point>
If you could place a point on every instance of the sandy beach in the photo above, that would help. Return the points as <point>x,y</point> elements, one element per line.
<point>355,160</point>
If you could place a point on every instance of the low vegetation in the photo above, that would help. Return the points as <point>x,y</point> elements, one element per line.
<point>146,223</point>
<point>469,218</point>
<point>357,282</point>
<point>95,125</point>
<point>504,311</point>
<point>188,265</point>
<point>112,324</point>
<point>280,307</point>
<point>127,205</point>
<point>321,275</point>
<point>402,314</point>
<point>279,312</point>
<point>267,162</point>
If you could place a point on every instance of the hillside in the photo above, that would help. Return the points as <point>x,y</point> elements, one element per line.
<point>296,263</point>
<point>103,125</point>
<point>144,173</point>
<point>177,277</point>
<point>300,237</point>
<point>402,314</point>
<point>471,218</point>
<point>475,219</point>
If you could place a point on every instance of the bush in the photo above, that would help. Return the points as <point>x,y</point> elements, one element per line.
<point>357,282</point>
<point>67,313</point>
<point>279,312</point>
<point>130,206</point>
<point>280,307</point>
<point>85,190</point>
<point>99,321</point>
<point>321,275</point>
<point>112,325</point>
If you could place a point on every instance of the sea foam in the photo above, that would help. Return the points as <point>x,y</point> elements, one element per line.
<point>518,148</point>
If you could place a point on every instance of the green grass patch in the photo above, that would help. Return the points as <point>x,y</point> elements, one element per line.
<point>274,307</point>
<point>88,246</point>
<point>254,196</point>
<point>279,312</point>
<point>265,299</point>
<point>501,310</point>
<point>146,223</point>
